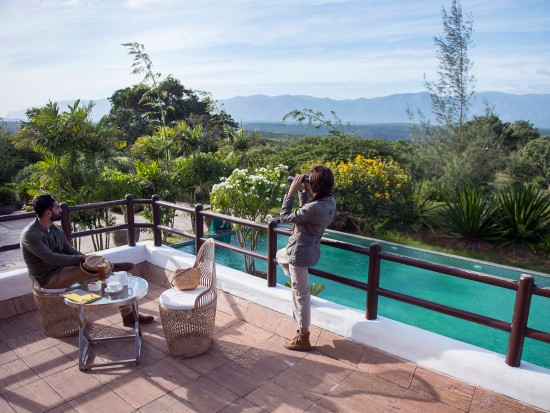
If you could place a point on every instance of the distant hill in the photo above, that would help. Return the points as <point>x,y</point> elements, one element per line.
<point>388,109</point>
<point>386,131</point>
<point>10,126</point>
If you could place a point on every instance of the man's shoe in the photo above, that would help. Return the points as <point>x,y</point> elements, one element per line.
<point>123,266</point>
<point>299,343</point>
<point>130,320</point>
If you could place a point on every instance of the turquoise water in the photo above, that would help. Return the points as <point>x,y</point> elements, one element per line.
<point>455,292</point>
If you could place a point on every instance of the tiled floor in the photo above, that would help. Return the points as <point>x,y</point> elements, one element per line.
<point>247,370</point>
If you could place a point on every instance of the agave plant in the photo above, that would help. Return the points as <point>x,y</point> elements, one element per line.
<point>524,214</point>
<point>543,248</point>
<point>314,288</point>
<point>470,216</point>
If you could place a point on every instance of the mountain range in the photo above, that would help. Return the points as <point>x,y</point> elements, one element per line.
<point>534,108</point>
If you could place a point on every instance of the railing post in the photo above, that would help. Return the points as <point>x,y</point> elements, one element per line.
<point>373,281</point>
<point>199,227</point>
<point>157,234</point>
<point>130,220</point>
<point>66,221</point>
<point>271,253</point>
<point>519,320</point>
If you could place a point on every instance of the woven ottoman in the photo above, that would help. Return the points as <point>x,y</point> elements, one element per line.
<point>188,317</point>
<point>188,329</point>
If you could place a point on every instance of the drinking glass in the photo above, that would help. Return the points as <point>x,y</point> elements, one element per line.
<point>101,273</point>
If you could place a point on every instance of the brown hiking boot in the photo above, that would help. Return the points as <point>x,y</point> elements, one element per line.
<point>299,343</point>
<point>129,320</point>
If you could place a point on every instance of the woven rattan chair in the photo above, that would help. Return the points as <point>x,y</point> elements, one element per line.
<point>188,317</point>
<point>58,319</point>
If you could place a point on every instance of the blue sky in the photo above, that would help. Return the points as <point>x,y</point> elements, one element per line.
<point>69,49</point>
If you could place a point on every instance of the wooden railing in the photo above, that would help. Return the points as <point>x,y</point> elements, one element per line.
<point>525,287</point>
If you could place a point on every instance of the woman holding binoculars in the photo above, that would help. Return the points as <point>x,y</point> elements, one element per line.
<point>303,249</point>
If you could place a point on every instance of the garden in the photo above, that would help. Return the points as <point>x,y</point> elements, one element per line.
<point>478,187</point>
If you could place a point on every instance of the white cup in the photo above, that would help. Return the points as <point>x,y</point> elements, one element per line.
<point>122,277</point>
<point>113,287</point>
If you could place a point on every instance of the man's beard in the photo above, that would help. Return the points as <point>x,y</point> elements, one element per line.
<point>56,217</point>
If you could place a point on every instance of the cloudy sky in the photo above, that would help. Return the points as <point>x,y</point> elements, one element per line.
<point>340,49</point>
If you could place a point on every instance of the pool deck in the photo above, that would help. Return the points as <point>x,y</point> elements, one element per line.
<point>246,370</point>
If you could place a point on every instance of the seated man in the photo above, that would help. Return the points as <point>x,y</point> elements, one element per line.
<point>53,261</point>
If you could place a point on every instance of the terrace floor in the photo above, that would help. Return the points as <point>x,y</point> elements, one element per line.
<point>246,370</point>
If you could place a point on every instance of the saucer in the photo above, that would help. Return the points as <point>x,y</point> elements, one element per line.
<point>113,290</point>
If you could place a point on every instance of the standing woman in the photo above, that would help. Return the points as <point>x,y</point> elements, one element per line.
<point>303,248</point>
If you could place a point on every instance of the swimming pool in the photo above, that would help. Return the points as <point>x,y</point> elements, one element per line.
<point>467,295</point>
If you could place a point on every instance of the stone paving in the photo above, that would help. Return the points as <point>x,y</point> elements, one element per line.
<point>246,370</point>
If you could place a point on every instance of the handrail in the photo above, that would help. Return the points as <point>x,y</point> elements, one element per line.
<point>524,287</point>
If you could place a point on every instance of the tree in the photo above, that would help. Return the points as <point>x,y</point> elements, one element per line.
<point>140,109</point>
<point>66,141</point>
<point>12,159</point>
<point>144,64</point>
<point>197,174</point>
<point>452,94</point>
<point>166,144</point>
<point>73,152</point>
<point>537,153</point>
<point>250,195</point>
<point>318,120</point>
<point>450,152</point>
<point>130,114</point>
<point>238,146</point>
<point>331,149</point>
<point>521,133</point>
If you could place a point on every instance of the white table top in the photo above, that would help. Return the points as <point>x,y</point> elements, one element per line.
<point>139,287</point>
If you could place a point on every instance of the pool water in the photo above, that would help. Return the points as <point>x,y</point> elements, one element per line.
<point>467,295</point>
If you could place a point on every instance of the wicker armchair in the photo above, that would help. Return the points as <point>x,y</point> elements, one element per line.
<point>188,317</point>
<point>58,319</point>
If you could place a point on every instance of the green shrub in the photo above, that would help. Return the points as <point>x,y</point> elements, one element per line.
<point>543,247</point>
<point>470,216</point>
<point>7,196</point>
<point>524,214</point>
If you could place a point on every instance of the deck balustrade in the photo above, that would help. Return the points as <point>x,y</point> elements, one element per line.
<point>525,287</point>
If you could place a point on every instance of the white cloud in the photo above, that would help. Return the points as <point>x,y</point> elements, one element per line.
<point>329,48</point>
<point>145,4</point>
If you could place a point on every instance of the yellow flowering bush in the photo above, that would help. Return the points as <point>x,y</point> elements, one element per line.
<point>367,189</point>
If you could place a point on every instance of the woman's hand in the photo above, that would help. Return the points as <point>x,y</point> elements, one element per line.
<point>295,185</point>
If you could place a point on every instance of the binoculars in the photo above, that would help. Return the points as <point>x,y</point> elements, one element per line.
<point>305,178</point>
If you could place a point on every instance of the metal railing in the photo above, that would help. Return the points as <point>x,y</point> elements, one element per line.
<point>525,287</point>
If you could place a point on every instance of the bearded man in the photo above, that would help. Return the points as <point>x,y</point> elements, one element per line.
<point>54,262</point>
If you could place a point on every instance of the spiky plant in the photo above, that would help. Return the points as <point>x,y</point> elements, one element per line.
<point>470,216</point>
<point>524,213</point>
